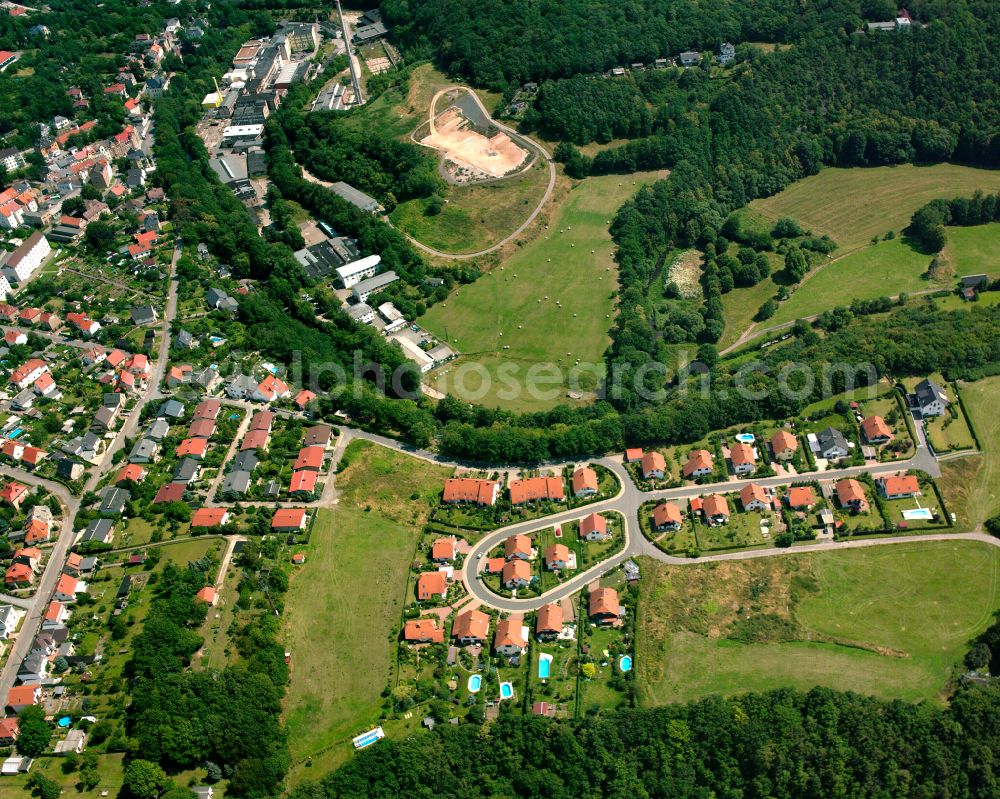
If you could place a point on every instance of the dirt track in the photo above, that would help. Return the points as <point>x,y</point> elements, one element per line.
<point>531,216</point>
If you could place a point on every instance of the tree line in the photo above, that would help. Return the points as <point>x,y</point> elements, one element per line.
<point>502,44</point>
<point>779,745</point>
<point>928,222</point>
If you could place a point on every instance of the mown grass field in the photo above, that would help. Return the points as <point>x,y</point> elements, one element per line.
<point>971,485</point>
<point>885,269</point>
<point>972,250</point>
<point>517,305</point>
<point>346,601</point>
<point>475,217</point>
<point>889,621</point>
<point>852,205</point>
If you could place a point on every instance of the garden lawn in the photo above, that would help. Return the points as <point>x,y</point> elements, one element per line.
<point>346,602</point>
<point>890,621</point>
<point>515,306</point>
<point>853,205</point>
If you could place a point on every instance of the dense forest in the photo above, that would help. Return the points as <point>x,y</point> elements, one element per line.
<point>370,159</point>
<point>181,718</point>
<point>585,109</point>
<point>779,745</point>
<point>499,44</point>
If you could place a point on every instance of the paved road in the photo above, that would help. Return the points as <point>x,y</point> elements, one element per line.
<point>531,216</point>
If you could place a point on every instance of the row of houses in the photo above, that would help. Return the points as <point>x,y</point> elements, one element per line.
<point>478,491</point>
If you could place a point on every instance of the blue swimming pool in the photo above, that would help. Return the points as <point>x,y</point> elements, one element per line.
<point>65,721</point>
<point>746,438</point>
<point>544,666</point>
<point>506,690</point>
<point>475,683</point>
<point>918,513</point>
<point>368,738</point>
<point>625,664</point>
<point>16,433</point>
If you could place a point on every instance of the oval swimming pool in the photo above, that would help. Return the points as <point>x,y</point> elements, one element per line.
<point>475,683</point>
<point>506,690</point>
<point>625,663</point>
<point>745,438</point>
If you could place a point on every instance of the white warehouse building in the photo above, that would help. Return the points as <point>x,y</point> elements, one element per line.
<point>353,273</point>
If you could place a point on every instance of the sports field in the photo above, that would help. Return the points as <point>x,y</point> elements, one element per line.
<point>971,485</point>
<point>852,205</point>
<point>347,599</point>
<point>477,216</point>
<point>550,303</point>
<point>890,621</point>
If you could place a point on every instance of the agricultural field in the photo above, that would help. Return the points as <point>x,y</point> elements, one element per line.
<point>550,303</point>
<point>880,199</point>
<point>474,216</point>
<point>891,621</point>
<point>346,601</point>
<point>971,485</point>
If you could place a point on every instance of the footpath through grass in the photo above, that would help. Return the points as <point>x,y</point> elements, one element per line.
<point>550,303</point>
<point>891,621</point>
<point>852,205</point>
<point>346,601</point>
<point>971,485</point>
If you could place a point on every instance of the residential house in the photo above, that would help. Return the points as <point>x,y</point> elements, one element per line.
<point>699,464</point>
<point>784,445</point>
<point>510,638</point>
<point>114,500</point>
<point>832,444</point>
<point>207,594</point>
<point>603,606</point>
<point>309,458</point>
<point>851,496</point>
<point>534,489</point>
<point>594,528</point>
<point>318,436</point>
<point>303,482</point>
<point>516,574</point>
<point>898,486</point>
<point>654,466</point>
<point>584,482</point>
<point>801,498</point>
<point>67,587</point>
<point>444,550</point>
<point>209,517</point>
<point>715,509</point>
<point>21,696</point>
<point>432,586</point>
<point>170,492</point>
<point>557,557</point>
<point>10,617</point>
<point>549,622</point>
<point>236,482</point>
<point>423,631</point>
<point>667,516</point>
<point>289,520</point>
<point>742,458</point>
<point>932,400</point>
<point>145,451</point>
<point>518,546</point>
<point>14,493</point>
<point>192,448</point>
<point>875,430</point>
<point>99,530</point>
<point>471,490</point>
<point>754,498</point>
<point>19,575</point>
<point>471,627</point>
<point>187,471</point>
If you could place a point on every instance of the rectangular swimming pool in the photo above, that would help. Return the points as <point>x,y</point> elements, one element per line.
<point>544,666</point>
